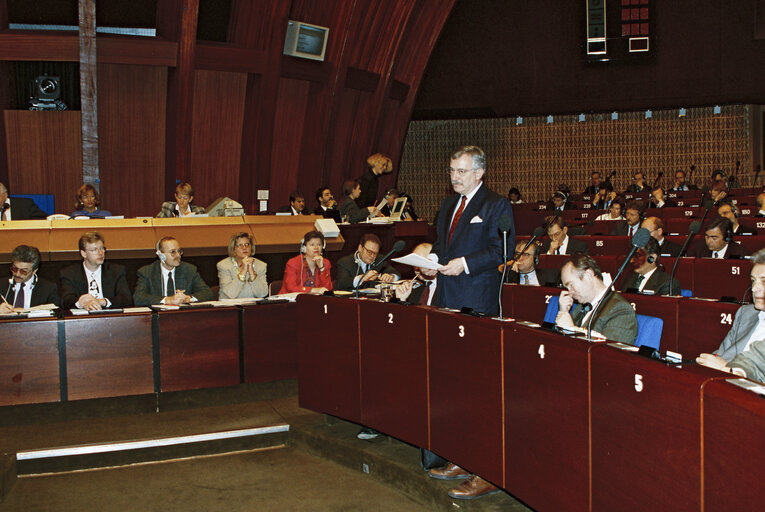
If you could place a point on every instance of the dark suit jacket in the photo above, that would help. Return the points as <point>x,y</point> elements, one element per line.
<point>149,289</point>
<point>574,245</point>
<point>329,214</point>
<point>669,247</point>
<point>545,276</point>
<point>352,210</point>
<point>369,184</point>
<point>288,209</point>
<point>348,268</point>
<point>24,208</point>
<point>476,238</point>
<point>74,283</point>
<point>44,292</point>
<point>621,228</point>
<point>615,320</point>
<point>700,250</point>
<point>745,230</point>
<point>658,283</point>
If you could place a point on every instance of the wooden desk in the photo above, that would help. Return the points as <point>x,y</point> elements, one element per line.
<point>702,325</point>
<point>108,355</point>
<point>394,370</point>
<point>546,420</point>
<point>270,342</point>
<point>465,367</point>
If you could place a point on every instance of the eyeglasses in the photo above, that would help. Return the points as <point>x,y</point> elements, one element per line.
<point>21,271</point>
<point>371,252</point>
<point>245,245</point>
<point>519,255</point>
<point>89,196</point>
<point>179,252</point>
<point>185,198</point>
<point>459,172</point>
<point>96,250</point>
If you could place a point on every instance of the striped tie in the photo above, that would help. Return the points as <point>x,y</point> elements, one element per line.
<point>456,218</point>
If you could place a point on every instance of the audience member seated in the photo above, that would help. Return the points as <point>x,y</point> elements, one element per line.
<point>240,276</point>
<point>633,214</point>
<point>559,242</point>
<point>377,165</point>
<point>638,184</point>
<point>659,199</point>
<point>360,269</point>
<point>88,203</point>
<point>18,208</point>
<point>408,213</point>
<point>25,289</point>
<point>94,284</point>
<point>655,227</point>
<point>648,276</point>
<point>681,184</point>
<point>170,280</point>
<point>718,191</point>
<point>559,202</point>
<point>743,349</point>
<point>760,202</point>
<point>327,205</point>
<point>584,285</point>
<point>525,271</point>
<point>296,206</point>
<point>422,288</point>
<point>514,196</point>
<point>182,206</point>
<point>718,242</point>
<point>604,197</point>
<point>595,184</point>
<point>615,210</point>
<point>309,271</point>
<point>732,212</point>
<point>349,210</point>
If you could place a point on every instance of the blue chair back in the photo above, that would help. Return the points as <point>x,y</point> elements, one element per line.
<point>552,309</point>
<point>649,331</point>
<point>686,293</point>
<point>45,202</point>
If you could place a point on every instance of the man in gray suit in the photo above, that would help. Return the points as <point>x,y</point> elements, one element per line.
<point>169,280</point>
<point>583,280</point>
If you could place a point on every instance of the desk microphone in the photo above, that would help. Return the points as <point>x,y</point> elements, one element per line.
<point>505,223</point>
<point>10,285</point>
<point>396,248</point>
<point>640,238</point>
<point>694,228</point>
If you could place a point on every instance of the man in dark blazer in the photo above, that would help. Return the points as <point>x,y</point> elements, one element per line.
<point>633,215</point>
<point>94,284</point>
<point>360,269</point>
<point>655,227</point>
<point>558,240</point>
<point>718,242</point>
<point>648,277</point>
<point>169,280</point>
<point>469,246</point>
<point>730,211</point>
<point>25,260</point>
<point>296,206</point>
<point>584,285</point>
<point>525,270</point>
<point>18,208</point>
<point>327,207</point>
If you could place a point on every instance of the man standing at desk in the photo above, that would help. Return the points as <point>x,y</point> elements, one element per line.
<point>94,284</point>
<point>169,280</point>
<point>469,246</point>
<point>26,289</point>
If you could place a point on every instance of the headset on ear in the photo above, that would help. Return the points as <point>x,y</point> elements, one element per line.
<point>651,258</point>
<point>159,253</point>
<point>729,233</point>
<point>323,245</point>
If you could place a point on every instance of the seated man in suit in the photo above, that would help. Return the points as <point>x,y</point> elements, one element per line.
<point>595,183</point>
<point>360,269</point>
<point>327,205</point>
<point>94,284</point>
<point>732,212</point>
<point>638,183</point>
<point>559,202</point>
<point>659,199</point>
<point>633,214</point>
<point>681,184</point>
<point>26,289</point>
<point>525,271</point>
<point>584,285</point>
<point>655,227</point>
<point>169,280</point>
<point>648,277</point>
<point>18,208</point>
<point>422,288</point>
<point>559,242</point>
<point>718,242</point>
<point>296,206</point>
<point>744,345</point>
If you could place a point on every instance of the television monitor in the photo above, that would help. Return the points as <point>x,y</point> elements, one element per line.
<point>305,40</point>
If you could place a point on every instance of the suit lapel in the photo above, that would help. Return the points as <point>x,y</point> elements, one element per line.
<point>472,208</point>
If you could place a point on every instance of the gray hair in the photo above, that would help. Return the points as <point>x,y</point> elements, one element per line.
<point>26,254</point>
<point>758,258</point>
<point>479,157</point>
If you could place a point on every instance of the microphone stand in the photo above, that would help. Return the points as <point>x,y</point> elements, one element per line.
<point>693,230</point>
<point>504,269</point>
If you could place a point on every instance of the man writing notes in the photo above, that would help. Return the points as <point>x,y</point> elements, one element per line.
<point>25,289</point>
<point>94,284</point>
<point>469,246</point>
<point>169,280</point>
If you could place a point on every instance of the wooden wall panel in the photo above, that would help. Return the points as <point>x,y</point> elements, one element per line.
<point>131,120</point>
<point>375,32</point>
<point>44,154</point>
<point>216,135</point>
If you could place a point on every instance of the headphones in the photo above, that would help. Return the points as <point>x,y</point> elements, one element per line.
<point>651,258</point>
<point>729,232</point>
<point>735,209</point>
<point>159,253</point>
<point>323,244</point>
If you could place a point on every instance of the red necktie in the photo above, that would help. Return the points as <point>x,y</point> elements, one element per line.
<point>425,294</point>
<point>456,218</point>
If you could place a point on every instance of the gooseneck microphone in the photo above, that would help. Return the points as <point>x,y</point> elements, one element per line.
<point>694,228</point>
<point>505,223</point>
<point>396,248</point>
<point>640,238</point>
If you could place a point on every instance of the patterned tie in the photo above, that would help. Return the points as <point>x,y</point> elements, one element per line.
<point>715,254</point>
<point>456,218</point>
<point>640,279</point>
<point>170,285</point>
<point>525,279</point>
<point>19,302</point>
<point>586,308</point>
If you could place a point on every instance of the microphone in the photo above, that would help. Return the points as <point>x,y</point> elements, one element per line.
<point>505,223</point>
<point>396,248</point>
<point>640,238</point>
<point>694,228</point>
<point>10,287</point>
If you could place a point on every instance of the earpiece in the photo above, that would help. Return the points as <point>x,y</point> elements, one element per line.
<point>159,253</point>
<point>651,258</point>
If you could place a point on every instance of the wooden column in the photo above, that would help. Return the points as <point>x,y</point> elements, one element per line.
<point>88,92</point>
<point>6,96</point>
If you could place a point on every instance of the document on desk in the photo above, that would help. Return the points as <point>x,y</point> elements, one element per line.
<point>751,386</point>
<point>234,302</point>
<point>416,260</point>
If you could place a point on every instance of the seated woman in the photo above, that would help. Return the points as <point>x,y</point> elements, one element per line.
<point>182,206</point>
<point>615,211</point>
<point>308,272</point>
<point>88,203</point>
<point>349,209</point>
<point>241,276</point>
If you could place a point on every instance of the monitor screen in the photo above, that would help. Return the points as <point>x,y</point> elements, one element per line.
<point>311,40</point>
